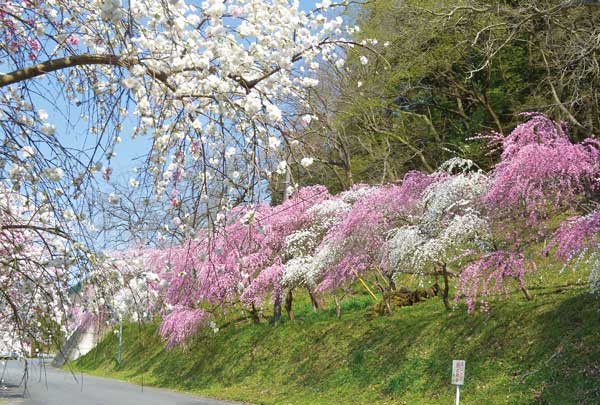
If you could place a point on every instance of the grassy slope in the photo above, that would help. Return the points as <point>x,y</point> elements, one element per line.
<point>541,351</point>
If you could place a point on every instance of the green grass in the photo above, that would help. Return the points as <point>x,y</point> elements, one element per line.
<point>544,351</point>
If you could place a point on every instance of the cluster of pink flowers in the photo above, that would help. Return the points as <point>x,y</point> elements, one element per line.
<point>240,260</point>
<point>575,235</point>
<point>540,168</point>
<point>541,174</point>
<point>21,23</point>
<point>361,233</point>
<point>180,324</point>
<point>491,275</point>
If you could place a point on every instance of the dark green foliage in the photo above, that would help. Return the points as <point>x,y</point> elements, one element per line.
<point>445,79</point>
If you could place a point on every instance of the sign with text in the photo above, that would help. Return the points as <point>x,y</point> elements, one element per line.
<point>458,372</point>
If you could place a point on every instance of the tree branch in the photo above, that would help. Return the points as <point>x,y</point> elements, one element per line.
<point>64,63</point>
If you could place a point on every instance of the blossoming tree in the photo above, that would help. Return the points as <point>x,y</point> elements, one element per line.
<point>541,174</point>
<point>207,81</point>
<point>209,84</point>
<point>449,221</point>
<point>36,267</point>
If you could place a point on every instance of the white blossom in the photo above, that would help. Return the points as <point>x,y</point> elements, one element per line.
<point>457,164</point>
<point>306,161</point>
<point>48,129</point>
<point>282,167</point>
<point>113,199</point>
<point>456,193</point>
<point>27,152</point>
<point>307,119</point>
<point>56,174</point>
<point>273,113</point>
<point>274,142</point>
<point>231,151</point>
<point>42,114</point>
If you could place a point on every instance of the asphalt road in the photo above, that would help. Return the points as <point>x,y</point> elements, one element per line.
<point>50,386</point>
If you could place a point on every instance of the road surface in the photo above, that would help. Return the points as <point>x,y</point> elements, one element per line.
<point>49,386</point>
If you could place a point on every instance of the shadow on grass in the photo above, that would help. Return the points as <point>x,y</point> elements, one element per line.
<point>543,351</point>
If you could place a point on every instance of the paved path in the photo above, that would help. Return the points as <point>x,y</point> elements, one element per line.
<point>57,387</point>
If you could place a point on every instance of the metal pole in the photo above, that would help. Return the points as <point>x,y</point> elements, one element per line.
<point>120,339</point>
<point>457,394</point>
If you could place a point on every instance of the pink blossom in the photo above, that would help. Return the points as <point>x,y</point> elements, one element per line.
<point>106,173</point>
<point>180,324</point>
<point>34,44</point>
<point>175,198</point>
<point>236,11</point>
<point>540,169</point>
<point>72,40</point>
<point>575,235</point>
<point>267,280</point>
<point>491,275</point>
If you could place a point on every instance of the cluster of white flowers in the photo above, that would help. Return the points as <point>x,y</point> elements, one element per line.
<point>36,259</point>
<point>301,243</point>
<point>248,217</point>
<point>308,270</point>
<point>27,152</point>
<point>403,245</point>
<point>413,247</point>
<point>470,227</point>
<point>306,162</point>
<point>298,271</point>
<point>455,194</point>
<point>10,342</point>
<point>357,193</point>
<point>112,10</point>
<point>594,279</point>
<point>122,289</point>
<point>56,174</point>
<point>449,221</point>
<point>457,165</point>
<point>588,257</point>
<point>135,300</point>
<point>225,58</point>
<point>327,213</point>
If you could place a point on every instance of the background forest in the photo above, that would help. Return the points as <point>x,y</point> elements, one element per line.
<point>450,70</point>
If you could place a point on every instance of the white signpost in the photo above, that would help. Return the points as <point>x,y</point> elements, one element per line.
<point>458,376</point>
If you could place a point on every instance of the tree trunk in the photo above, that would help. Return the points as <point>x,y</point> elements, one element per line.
<point>446,288</point>
<point>386,293</point>
<point>526,293</point>
<point>388,306</point>
<point>288,305</point>
<point>391,283</point>
<point>314,299</point>
<point>277,309</point>
<point>338,307</point>
<point>254,314</point>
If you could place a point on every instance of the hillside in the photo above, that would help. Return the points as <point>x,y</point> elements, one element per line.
<point>543,351</point>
